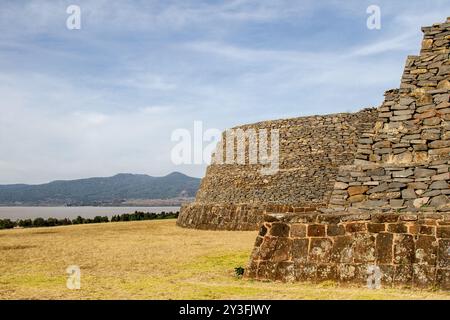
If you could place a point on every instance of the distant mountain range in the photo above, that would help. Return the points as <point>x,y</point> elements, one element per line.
<point>121,189</point>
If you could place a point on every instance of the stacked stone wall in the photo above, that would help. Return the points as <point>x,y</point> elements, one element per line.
<point>311,149</point>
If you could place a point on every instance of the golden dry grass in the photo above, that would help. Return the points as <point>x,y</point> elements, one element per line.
<point>149,260</point>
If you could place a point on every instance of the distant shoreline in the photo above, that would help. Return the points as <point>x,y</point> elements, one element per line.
<point>60,212</point>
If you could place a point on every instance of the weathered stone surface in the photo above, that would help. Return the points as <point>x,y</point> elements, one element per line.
<point>439,144</point>
<point>403,275</point>
<point>443,279</point>
<point>356,198</point>
<point>421,172</point>
<point>340,185</point>
<point>335,230</point>
<point>443,253</point>
<point>420,202</point>
<point>442,176</point>
<point>305,271</point>
<point>285,271</point>
<point>342,251</point>
<point>408,194</point>
<point>300,250</point>
<point>315,230</point>
<point>423,276</point>
<point>298,230</point>
<point>439,201</point>
<point>403,173</point>
<point>397,228</point>
<point>383,247</point>
<point>279,230</point>
<point>356,227</point>
<point>320,251</point>
<point>443,232</point>
<point>364,248</point>
<point>426,250</point>
<point>376,227</point>
<point>441,184</point>
<point>381,188</point>
<point>326,272</point>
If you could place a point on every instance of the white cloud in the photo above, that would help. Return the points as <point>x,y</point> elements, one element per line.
<point>106,99</point>
<point>402,42</point>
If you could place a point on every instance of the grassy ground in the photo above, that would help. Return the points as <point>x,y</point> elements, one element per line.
<point>149,260</point>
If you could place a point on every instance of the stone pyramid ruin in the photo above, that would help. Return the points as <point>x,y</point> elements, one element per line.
<point>358,198</point>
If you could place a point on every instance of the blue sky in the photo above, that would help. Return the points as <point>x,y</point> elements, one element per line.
<point>105,99</point>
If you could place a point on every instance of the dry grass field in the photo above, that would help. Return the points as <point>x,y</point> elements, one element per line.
<point>149,260</point>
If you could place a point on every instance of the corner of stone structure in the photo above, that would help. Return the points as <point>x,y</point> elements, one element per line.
<point>389,213</point>
<point>358,197</point>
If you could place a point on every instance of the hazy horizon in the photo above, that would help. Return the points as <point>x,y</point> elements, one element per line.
<point>105,99</point>
<point>120,173</point>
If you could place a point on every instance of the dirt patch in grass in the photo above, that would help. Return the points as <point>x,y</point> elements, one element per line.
<point>44,232</point>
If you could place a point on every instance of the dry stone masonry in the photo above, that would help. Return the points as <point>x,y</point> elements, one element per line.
<point>359,198</point>
<point>311,149</point>
<point>402,164</point>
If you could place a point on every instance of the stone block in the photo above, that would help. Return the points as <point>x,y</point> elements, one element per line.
<point>441,177</point>
<point>443,253</point>
<point>300,250</point>
<point>356,227</point>
<point>403,275</point>
<point>285,271</point>
<point>426,250</point>
<point>397,228</point>
<point>342,251</point>
<point>376,227</point>
<point>316,230</point>
<point>443,279</point>
<point>403,173</point>
<point>364,248</point>
<point>421,172</point>
<point>408,194</point>
<point>403,249</point>
<point>383,248</point>
<point>298,230</point>
<point>424,276</point>
<point>279,230</point>
<point>356,190</point>
<point>326,272</point>
<point>266,270</point>
<point>443,232</point>
<point>335,230</point>
<point>305,271</point>
<point>320,250</point>
<point>439,201</point>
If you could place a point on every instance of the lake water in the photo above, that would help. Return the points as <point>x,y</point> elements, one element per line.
<point>15,213</point>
